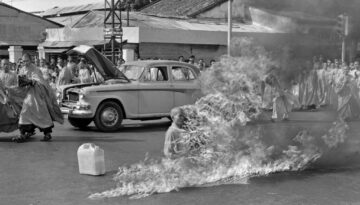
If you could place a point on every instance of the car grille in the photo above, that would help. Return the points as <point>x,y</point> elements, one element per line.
<point>72,97</point>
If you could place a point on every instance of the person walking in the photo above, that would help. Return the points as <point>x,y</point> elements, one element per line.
<point>40,108</point>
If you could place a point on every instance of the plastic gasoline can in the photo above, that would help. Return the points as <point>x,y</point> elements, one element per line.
<point>91,159</point>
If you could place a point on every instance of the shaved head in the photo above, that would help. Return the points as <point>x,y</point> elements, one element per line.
<point>26,59</point>
<point>4,65</point>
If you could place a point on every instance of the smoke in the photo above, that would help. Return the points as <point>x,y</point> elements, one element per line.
<point>222,147</point>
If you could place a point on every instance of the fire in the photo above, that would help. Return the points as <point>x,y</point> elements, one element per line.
<point>223,149</point>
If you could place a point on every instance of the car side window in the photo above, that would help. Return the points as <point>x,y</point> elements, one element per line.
<point>156,74</point>
<point>180,73</point>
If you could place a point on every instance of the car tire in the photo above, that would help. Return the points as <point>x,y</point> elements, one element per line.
<point>79,123</point>
<point>109,116</point>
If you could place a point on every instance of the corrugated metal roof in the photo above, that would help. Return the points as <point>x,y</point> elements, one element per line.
<point>180,8</point>
<point>67,20</point>
<point>96,19</point>
<point>72,9</point>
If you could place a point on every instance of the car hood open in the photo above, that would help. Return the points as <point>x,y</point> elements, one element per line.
<point>103,65</point>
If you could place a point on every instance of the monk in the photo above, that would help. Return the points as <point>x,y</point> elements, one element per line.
<point>173,147</point>
<point>84,72</point>
<point>65,74</point>
<point>7,78</point>
<point>283,101</point>
<point>310,98</point>
<point>348,98</point>
<point>40,108</point>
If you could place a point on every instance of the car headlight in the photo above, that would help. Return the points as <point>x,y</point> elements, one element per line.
<point>58,97</point>
<point>81,97</point>
<point>82,104</point>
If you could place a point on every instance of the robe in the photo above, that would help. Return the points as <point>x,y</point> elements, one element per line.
<point>65,76</point>
<point>40,107</point>
<point>302,83</point>
<point>85,76</point>
<point>310,96</point>
<point>282,101</point>
<point>172,144</point>
<point>348,98</point>
<point>267,97</point>
<point>9,116</point>
<point>333,96</point>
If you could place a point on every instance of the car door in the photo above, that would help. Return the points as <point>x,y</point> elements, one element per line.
<point>185,85</point>
<point>155,91</point>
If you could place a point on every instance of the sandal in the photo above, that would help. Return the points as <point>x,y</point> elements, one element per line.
<point>19,139</point>
<point>47,137</point>
<point>29,134</point>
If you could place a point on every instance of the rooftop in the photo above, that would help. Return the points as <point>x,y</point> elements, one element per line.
<point>96,19</point>
<point>63,11</point>
<point>180,8</point>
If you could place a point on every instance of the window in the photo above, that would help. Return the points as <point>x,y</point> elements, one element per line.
<point>182,73</point>
<point>132,72</point>
<point>156,74</point>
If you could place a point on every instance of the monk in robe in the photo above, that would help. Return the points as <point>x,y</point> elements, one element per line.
<point>322,85</point>
<point>302,83</point>
<point>268,94</point>
<point>311,100</point>
<point>283,102</point>
<point>173,147</point>
<point>7,78</point>
<point>65,75</point>
<point>84,72</point>
<point>40,108</point>
<point>348,98</point>
<point>9,116</point>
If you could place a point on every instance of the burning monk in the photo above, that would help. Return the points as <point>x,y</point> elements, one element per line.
<point>173,146</point>
<point>39,108</point>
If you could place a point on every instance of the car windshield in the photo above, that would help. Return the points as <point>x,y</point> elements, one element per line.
<point>132,72</point>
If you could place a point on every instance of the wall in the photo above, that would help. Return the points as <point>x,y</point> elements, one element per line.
<point>18,28</point>
<point>173,51</point>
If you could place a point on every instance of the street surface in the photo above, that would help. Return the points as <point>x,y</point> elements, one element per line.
<point>46,173</point>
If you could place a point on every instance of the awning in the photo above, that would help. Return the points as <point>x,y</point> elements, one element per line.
<point>69,44</point>
<point>56,50</point>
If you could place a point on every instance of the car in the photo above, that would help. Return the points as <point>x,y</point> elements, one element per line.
<point>138,90</point>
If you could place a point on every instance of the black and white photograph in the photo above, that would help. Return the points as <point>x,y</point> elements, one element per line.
<point>179,102</point>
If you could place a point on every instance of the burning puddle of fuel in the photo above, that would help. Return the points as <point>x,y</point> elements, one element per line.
<point>228,150</point>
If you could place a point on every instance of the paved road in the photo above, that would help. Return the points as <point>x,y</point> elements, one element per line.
<point>46,173</point>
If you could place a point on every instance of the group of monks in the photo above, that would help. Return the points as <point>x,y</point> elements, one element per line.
<point>27,101</point>
<point>56,73</point>
<point>329,84</point>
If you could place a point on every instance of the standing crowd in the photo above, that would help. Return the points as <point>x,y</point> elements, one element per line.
<point>57,72</point>
<point>323,84</point>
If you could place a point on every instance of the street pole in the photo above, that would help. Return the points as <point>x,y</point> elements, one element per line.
<point>229,28</point>
<point>113,29</point>
<point>346,33</point>
<point>343,48</point>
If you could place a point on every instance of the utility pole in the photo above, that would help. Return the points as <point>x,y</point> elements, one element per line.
<point>113,29</point>
<point>229,28</point>
<point>342,28</point>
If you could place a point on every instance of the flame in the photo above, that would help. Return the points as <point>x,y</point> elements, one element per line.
<point>222,149</point>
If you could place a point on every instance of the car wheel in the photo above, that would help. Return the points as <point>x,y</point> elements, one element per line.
<point>109,117</point>
<point>79,123</point>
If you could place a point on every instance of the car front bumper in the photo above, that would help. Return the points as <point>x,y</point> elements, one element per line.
<point>77,113</point>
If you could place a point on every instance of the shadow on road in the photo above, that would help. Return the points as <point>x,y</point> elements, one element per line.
<point>74,139</point>
<point>132,128</point>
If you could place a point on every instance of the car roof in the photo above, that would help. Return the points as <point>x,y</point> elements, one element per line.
<point>146,63</point>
